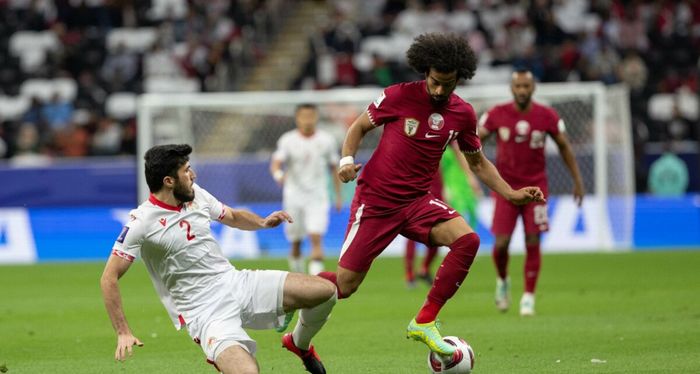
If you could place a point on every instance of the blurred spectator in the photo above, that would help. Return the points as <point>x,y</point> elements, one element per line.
<point>73,141</point>
<point>90,94</point>
<point>57,112</point>
<point>121,66</point>
<point>161,62</point>
<point>107,138</point>
<point>633,71</point>
<point>27,147</point>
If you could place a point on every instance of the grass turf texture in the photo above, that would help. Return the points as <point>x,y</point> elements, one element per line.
<point>637,312</point>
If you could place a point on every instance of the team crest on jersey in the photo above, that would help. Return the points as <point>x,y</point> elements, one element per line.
<point>521,130</point>
<point>504,133</point>
<point>410,126</point>
<point>436,121</point>
<point>522,127</point>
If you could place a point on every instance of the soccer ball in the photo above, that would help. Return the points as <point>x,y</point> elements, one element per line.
<point>461,362</point>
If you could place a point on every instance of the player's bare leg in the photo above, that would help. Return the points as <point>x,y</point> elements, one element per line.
<point>235,359</point>
<point>296,262</point>
<point>533,261</point>
<point>500,259</point>
<point>463,243</point>
<point>315,297</point>
<point>316,257</point>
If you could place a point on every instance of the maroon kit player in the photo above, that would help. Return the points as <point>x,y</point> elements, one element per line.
<point>420,120</point>
<point>521,127</point>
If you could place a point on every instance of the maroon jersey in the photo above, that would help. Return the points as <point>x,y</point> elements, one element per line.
<point>416,133</point>
<point>520,139</point>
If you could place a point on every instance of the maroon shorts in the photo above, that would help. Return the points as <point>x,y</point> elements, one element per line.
<point>505,215</point>
<point>371,229</point>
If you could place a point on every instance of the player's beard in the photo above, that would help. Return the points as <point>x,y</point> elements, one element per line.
<point>523,104</point>
<point>182,193</point>
<point>437,99</point>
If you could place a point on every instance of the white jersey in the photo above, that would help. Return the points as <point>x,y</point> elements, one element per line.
<point>184,260</point>
<point>307,160</point>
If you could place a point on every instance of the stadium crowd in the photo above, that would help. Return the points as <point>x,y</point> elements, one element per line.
<point>70,70</point>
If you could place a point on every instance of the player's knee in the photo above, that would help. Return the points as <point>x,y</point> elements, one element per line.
<point>501,244</point>
<point>326,290</point>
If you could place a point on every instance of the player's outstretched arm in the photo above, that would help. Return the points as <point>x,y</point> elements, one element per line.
<point>484,170</point>
<point>570,160</point>
<point>114,269</point>
<point>347,169</point>
<point>469,174</point>
<point>247,220</point>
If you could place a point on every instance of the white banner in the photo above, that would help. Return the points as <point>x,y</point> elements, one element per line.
<point>16,239</point>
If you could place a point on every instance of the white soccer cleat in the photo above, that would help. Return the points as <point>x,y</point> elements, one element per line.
<point>527,304</point>
<point>502,294</point>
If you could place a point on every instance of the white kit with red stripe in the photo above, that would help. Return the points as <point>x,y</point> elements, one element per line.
<point>182,257</point>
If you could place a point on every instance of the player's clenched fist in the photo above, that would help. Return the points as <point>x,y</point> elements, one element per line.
<point>348,173</point>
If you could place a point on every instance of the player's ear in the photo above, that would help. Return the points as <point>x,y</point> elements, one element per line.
<point>168,181</point>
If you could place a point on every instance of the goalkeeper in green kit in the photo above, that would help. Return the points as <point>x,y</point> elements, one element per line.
<point>460,191</point>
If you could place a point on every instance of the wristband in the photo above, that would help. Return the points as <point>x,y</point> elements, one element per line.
<point>347,160</point>
<point>278,175</point>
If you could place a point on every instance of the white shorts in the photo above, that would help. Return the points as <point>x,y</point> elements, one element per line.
<point>252,299</point>
<point>310,217</point>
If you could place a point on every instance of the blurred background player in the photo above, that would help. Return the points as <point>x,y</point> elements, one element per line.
<point>301,165</point>
<point>455,183</point>
<point>198,286</point>
<point>420,119</point>
<point>521,128</point>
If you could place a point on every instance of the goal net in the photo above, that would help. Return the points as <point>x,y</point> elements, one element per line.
<point>234,135</point>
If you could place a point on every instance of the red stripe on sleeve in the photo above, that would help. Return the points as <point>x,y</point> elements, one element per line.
<point>123,255</point>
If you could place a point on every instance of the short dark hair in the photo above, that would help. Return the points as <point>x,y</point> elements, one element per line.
<point>443,52</point>
<point>522,70</point>
<point>163,161</point>
<point>305,106</point>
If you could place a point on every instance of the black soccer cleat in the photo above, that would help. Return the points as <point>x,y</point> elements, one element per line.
<point>310,358</point>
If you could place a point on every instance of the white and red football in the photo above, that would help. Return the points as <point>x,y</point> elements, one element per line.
<point>461,362</point>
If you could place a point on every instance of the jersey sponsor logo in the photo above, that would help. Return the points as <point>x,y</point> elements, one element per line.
<point>436,121</point>
<point>410,126</point>
<point>122,234</point>
<point>504,133</point>
<point>162,221</point>
<point>429,135</point>
<point>378,100</point>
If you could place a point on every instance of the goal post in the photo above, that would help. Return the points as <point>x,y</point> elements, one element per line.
<point>234,135</point>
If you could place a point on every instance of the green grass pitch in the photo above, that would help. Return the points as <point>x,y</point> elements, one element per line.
<point>634,312</point>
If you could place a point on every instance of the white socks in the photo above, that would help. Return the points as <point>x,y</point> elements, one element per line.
<point>310,322</point>
<point>296,264</point>
<point>315,267</point>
